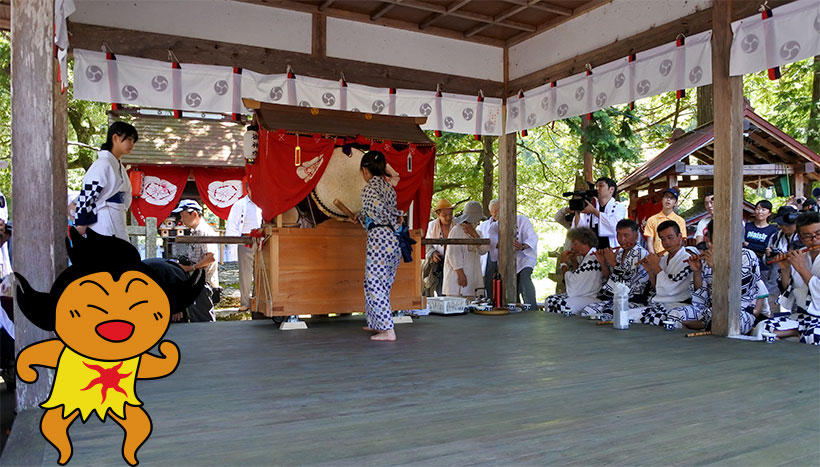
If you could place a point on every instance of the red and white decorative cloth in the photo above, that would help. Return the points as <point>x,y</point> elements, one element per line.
<point>219,188</point>
<point>160,193</point>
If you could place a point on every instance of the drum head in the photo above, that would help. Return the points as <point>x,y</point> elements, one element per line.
<point>341,180</point>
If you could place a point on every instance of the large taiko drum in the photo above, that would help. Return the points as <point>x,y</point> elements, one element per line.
<point>342,181</point>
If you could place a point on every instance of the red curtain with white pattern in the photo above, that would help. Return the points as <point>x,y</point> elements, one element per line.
<point>160,192</point>
<point>280,178</point>
<point>219,188</point>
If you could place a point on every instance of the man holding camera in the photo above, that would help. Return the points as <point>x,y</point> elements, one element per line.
<point>603,214</point>
<point>199,256</point>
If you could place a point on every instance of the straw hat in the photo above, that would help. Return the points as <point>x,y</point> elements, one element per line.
<point>472,213</point>
<point>442,204</point>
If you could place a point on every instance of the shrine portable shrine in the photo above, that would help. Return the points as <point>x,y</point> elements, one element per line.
<point>310,157</point>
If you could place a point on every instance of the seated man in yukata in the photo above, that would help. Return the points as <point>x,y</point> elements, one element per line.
<point>698,314</point>
<point>800,274</point>
<point>669,273</point>
<point>582,274</point>
<point>620,265</point>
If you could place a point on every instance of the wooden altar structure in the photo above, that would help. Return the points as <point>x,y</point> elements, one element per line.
<point>320,271</point>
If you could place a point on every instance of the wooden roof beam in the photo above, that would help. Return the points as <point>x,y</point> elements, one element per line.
<point>436,16</point>
<point>558,10</point>
<point>326,4</point>
<point>578,11</point>
<point>759,139</point>
<point>441,9</point>
<point>497,21</point>
<point>748,169</point>
<point>622,47</point>
<point>382,11</point>
<point>154,46</point>
<point>754,151</point>
<point>389,22</point>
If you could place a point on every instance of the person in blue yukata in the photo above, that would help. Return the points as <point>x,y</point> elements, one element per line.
<point>381,219</point>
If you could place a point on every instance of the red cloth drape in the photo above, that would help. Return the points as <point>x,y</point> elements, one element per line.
<point>278,184</point>
<point>219,188</point>
<point>275,180</point>
<point>161,190</point>
<point>415,186</point>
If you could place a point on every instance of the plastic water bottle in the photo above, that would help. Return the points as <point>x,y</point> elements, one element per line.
<point>620,299</point>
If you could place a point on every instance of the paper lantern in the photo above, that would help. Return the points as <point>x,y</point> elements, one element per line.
<point>251,144</point>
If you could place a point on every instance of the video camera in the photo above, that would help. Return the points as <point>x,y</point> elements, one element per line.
<point>579,198</point>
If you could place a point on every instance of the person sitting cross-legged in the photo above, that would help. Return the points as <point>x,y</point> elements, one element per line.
<point>621,266</point>
<point>698,314</point>
<point>669,273</point>
<point>582,274</point>
<point>800,274</point>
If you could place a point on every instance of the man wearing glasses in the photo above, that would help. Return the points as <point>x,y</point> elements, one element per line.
<point>800,275</point>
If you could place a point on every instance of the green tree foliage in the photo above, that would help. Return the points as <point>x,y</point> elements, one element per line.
<point>459,173</point>
<point>610,138</point>
<point>5,111</point>
<point>785,102</point>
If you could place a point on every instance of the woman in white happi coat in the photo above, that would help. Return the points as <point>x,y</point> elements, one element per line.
<point>802,281</point>
<point>106,192</point>
<point>462,263</point>
<point>582,274</point>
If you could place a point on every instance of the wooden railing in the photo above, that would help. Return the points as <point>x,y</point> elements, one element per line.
<point>149,231</point>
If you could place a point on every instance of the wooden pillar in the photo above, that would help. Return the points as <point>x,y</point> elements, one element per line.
<point>507,211</point>
<point>38,146</point>
<point>488,167</point>
<point>151,238</point>
<point>587,155</point>
<point>728,232</point>
<point>318,40</point>
<point>633,204</point>
<point>799,185</point>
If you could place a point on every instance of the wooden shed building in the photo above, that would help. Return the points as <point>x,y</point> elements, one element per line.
<point>771,158</point>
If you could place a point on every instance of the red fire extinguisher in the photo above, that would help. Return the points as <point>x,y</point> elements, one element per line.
<point>497,290</point>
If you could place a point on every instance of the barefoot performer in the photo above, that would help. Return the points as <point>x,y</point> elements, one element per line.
<point>381,219</point>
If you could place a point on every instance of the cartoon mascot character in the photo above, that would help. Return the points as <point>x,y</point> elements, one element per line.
<point>108,309</point>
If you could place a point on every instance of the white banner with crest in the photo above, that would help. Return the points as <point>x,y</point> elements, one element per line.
<point>206,88</point>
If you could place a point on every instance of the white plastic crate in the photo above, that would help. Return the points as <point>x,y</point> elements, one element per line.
<point>446,305</point>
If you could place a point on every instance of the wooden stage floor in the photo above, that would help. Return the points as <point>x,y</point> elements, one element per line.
<point>529,388</point>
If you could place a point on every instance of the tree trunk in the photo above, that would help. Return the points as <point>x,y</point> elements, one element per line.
<point>813,140</point>
<point>705,112</point>
<point>587,156</point>
<point>487,159</point>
